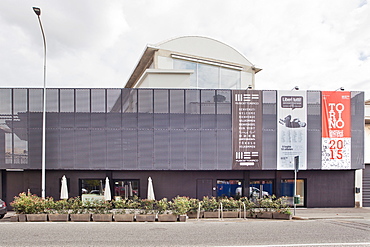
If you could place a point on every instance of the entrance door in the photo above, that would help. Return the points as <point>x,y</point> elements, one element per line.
<point>204,188</point>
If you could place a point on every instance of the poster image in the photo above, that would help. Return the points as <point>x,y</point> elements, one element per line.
<point>336,130</point>
<point>247,129</point>
<point>291,129</point>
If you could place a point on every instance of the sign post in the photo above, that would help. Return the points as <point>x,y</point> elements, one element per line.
<point>296,168</point>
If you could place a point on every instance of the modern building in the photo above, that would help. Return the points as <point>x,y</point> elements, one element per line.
<point>189,118</point>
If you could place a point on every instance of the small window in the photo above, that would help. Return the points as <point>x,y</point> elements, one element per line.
<point>229,188</point>
<point>126,188</point>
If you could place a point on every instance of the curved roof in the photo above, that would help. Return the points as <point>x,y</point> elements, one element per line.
<point>204,47</point>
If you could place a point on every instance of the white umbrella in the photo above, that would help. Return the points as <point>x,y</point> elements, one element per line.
<point>150,189</point>
<point>107,194</point>
<point>64,189</point>
<point>130,189</point>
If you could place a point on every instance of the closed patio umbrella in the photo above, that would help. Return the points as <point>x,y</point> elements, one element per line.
<point>150,195</point>
<point>64,188</point>
<point>107,193</point>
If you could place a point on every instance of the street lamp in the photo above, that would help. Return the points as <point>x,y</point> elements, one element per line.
<point>38,13</point>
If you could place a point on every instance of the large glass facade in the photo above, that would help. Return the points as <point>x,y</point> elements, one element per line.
<point>210,75</point>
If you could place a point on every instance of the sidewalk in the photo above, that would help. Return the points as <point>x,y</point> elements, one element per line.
<point>331,213</point>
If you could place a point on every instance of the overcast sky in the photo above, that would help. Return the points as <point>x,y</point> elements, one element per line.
<point>315,44</point>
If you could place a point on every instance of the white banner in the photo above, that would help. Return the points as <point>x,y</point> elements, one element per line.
<point>292,129</point>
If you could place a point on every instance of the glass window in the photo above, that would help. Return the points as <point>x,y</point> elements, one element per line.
<point>126,188</point>
<point>260,188</point>
<point>92,186</point>
<point>176,101</point>
<point>230,78</point>
<point>67,100</point>
<point>182,64</point>
<point>160,101</point>
<point>229,188</point>
<point>97,100</point>
<point>35,100</point>
<point>208,76</point>
<point>82,100</point>
<point>287,189</point>
<point>52,100</point>
<point>145,101</point>
<point>21,147</point>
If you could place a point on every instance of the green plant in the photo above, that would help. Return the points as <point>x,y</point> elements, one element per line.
<point>162,206</point>
<point>100,207</point>
<point>209,204</point>
<point>147,206</point>
<point>281,206</point>
<point>28,204</point>
<point>229,204</point>
<point>181,205</point>
<point>76,206</point>
<point>194,205</point>
<point>267,204</point>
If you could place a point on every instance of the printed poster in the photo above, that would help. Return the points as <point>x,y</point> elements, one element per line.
<point>291,129</point>
<point>336,130</point>
<point>247,129</point>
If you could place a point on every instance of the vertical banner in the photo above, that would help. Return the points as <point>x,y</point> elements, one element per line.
<point>247,129</point>
<point>291,129</point>
<point>336,130</point>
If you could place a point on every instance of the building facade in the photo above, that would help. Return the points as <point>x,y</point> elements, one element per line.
<point>190,118</point>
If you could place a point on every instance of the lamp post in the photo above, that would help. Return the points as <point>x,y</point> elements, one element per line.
<point>38,13</point>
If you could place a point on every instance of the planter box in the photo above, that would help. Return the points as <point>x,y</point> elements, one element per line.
<point>167,217</point>
<point>124,217</point>
<point>211,214</point>
<point>264,215</point>
<point>183,218</point>
<point>22,218</point>
<point>58,217</point>
<point>281,216</point>
<point>14,218</point>
<point>37,217</point>
<point>193,215</point>
<point>230,214</point>
<point>80,217</point>
<point>102,217</point>
<point>145,217</point>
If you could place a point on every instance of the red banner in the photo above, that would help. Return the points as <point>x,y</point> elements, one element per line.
<point>336,130</point>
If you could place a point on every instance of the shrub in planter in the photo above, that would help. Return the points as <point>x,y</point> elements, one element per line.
<point>209,204</point>
<point>193,210</point>
<point>249,207</point>
<point>28,204</point>
<point>181,205</point>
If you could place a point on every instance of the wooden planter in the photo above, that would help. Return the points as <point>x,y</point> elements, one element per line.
<point>193,215</point>
<point>183,218</point>
<point>102,217</point>
<point>211,214</point>
<point>37,217</point>
<point>264,215</point>
<point>281,216</point>
<point>80,217</point>
<point>124,217</point>
<point>22,218</point>
<point>167,217</point>
<point>145,217</point>
<point>58,217</point>
<point>230,214</point>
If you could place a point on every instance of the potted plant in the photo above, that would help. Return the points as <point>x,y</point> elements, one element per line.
<point>230,207</point>
<point>164,211</point>
<point>266,206</point>
<point>101,211</point>
<point>194,207</point>
<point>29,207</point>
<point>79,210</point>
<point>124,210</point>
<point>210,207</point>
<point>146,212</point>
<point>181,205</point>
<point>58,211</point>
<point>247,208</point>
<point>281,210</point>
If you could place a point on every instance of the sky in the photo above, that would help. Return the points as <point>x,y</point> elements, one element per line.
<point>315,44</point>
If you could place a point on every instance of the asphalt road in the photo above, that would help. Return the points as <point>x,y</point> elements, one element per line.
<point>331,232</point>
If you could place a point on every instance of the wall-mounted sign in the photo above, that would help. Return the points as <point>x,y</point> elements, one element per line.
<point>291,129</point>
<point>247,129</point>
<point>336,130</point>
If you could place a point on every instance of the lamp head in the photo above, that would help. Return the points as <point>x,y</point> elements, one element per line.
<point>295,88</point>
<point>37,10</point>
